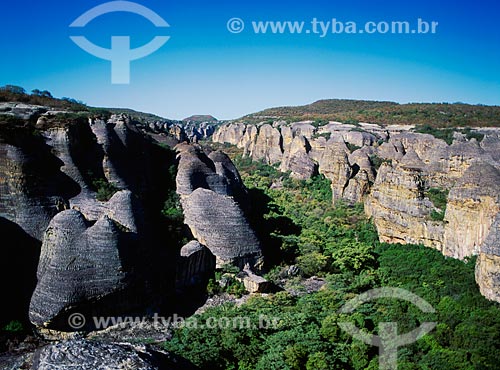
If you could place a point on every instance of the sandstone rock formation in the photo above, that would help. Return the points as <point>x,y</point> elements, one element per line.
<point>82,265</point>
<point>298,149</point>
<point>399,209</point>
<point>254,283</point>
<point>92,355</point>
<point>488,263</point>
<point>473,204</point>
<point>97,256</point>
<point>212,196</point>
<point>195,265</point>
<point>268,145</point>
<point>297,160</point>
<point>218,222</point>
<point>392,173</point>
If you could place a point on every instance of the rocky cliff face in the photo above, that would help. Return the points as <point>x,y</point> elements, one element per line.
<point>212,196</point>
<point>97,256</point>
<point>392,170</point>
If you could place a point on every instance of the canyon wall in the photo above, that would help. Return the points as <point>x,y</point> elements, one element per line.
<point>394,171</point>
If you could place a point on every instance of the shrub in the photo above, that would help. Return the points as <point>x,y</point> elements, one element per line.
<point>437,216</point>
<point>105,190</point>
<point>438,197</point>
<point>469,134</point>
<point>312,263</point>
<point>14,326</point>
<point>172,208</point>
<point>352,147</point>
<point>445,134</point>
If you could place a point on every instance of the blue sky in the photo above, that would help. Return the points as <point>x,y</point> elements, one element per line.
<point>204,69</point>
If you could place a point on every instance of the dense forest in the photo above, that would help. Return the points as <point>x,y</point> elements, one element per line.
<point>338,245</point>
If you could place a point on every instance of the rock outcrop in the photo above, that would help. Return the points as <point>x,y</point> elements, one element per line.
<point>400,210</point>
<point>92,355</point>
<point>195,265</point>
<point>488,263</point>
<point>303,150</point>
<point>473,204</point>
<point>268,145</point>
<point>212,196</point>
<point>218,222</point>
<point>254,283</point>
<point>82,265</point>
<point>86,190</point>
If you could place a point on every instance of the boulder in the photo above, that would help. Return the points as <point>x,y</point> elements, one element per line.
<point>84,268</point>
<point>218,222</point>
<point>195,264</point>
<point>254,283</point>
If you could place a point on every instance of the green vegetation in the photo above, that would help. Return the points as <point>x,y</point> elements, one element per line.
<point>341,245</point>
<point>326,135</point>
<point>377,161</point>
<point>352,147</point>
<point>443,134</point>
<point>438,197</point>
<point>172,208</point>
<point>11,93</point>
<point>437,115</point>
<point>14,326</point>
<point>318,122</point>
<point>225,281</point>
<point>470,134</point>
<point>446,134</point>
<point>105,190</point>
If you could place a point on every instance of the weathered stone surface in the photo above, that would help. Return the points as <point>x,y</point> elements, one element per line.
<point>225,168</point>
<point>218,222</point>
<point>391,151</point>
<point>357,187</point>
<point>212,195</point>
<point>473,204</point>
<point>231,133</point>
<point>488,275</point>
<point>113,149</point>
<point>491,145</point>
<point>32,187</point>
<point>195,264</point>
<point>268,145</point>
<point>197,170</point>
<point>359,138</point>
<point>254,283</point>
<point>296,159</point>
<point>247,142</point>
<point>21,110</point>
<point>80,265</point>
<point>400,211</point>
<point>287,137</point>
<point>303,129</point>
<point>92,355</point>
<point>488,263</point>
<point>334,164</point>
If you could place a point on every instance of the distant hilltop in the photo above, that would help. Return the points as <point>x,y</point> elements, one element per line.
<point>200,118</point>
<point>439,115</point>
